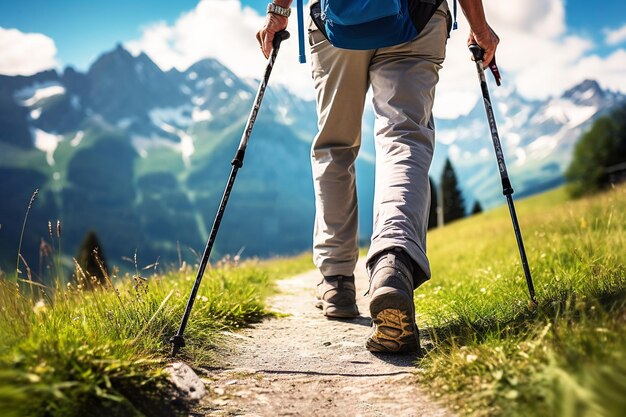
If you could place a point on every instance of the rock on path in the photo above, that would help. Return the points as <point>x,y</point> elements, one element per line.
<point>307,365</point>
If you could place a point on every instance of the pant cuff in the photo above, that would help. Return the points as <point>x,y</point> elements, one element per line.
<point>345,269</point>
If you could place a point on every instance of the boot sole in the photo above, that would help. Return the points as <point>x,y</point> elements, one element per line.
<point>335,311</point>
<point>393,317</point>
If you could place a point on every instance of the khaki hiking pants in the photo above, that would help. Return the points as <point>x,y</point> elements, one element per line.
<point>403,79</point>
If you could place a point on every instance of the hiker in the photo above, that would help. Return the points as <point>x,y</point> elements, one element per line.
<point>400,61</point>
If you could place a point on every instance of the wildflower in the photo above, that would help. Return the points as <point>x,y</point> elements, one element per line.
<point>470,358</point>
<point>39,307</point>
<point>511,395</point>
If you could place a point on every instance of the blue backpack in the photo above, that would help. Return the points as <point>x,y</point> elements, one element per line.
<point>369,24</point>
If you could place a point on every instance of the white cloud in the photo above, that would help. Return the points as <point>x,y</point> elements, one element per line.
<point>222,29</point>
<point>25,53</point>
<point>616,36</point>
<point>537,53</point>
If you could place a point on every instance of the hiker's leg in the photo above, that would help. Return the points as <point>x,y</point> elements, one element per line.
<point>403,78</point>
<point>341,82</point>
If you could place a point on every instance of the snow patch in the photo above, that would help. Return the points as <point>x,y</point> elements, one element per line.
<point>228,82</point>
<point>56,176</point>
<point>185,147</point>
<point>566,113</point>
<point>185,90</point>
<point>177,116</point>
<point>205,83</point>
<point>34,94</point>
<point>223,95</point>
<point>47,143</point>
<point>283,114</point>
<point>587,94</point>
<point>125,122</point>
<point>34,114</point>
<point>192,75</point>
<point>244,95</point>
<point>199,115</point>
<point>77,138</point>
<point>198,101</point>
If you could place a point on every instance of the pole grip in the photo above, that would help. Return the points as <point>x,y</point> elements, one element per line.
<point>478,53</point>
<point>283,35</point>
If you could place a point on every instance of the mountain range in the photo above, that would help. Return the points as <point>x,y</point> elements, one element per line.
<point>141,156</point>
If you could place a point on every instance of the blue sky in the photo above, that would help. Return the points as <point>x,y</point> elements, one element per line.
<point>83,29</point>
<point>547,46</point>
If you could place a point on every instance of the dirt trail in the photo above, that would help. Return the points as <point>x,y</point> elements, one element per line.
<point>307,365</point>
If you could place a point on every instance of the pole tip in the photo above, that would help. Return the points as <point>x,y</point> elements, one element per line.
<point>177,342</point>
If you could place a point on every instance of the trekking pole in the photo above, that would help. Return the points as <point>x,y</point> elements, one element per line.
<point>507,189</point>
<point>178,341</point>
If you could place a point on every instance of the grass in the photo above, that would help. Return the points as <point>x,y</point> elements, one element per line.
<point>72,352</point>
<point>493,353</point>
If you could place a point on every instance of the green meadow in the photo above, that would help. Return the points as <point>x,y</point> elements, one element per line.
<point>492,352</point>
<point>66,351</point>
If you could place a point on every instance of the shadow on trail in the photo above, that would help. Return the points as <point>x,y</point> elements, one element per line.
<point>405,360</point>
<point>361,320</point>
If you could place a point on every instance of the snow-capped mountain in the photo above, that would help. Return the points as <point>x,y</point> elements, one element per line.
<point>537,137</point>
<point>141,155</point>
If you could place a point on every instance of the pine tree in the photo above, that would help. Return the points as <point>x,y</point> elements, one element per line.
<point>90,256</point>
<point>477,208</point>
<point>453,202</point>
<point>432,213</point>
<point>600,150</point>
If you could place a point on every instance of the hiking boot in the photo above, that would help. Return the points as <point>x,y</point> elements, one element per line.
<point>391,304</point>
<point>336,296</point>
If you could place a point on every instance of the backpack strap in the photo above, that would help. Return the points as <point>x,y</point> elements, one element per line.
<point>300,6</point>
<point>455,25</point>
